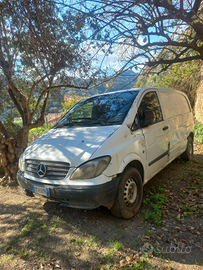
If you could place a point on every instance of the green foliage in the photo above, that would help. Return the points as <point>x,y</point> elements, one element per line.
<point>53,228</point>
<point>199,132</point>
<point>186,208</point>
<point>6,258</point>
<point>41,130</point>
<point>184,77</point>
<point>188,211</point>
<point>117,245</point>
<point>30,226</point>
<point>156,203</point>
<point>68,105</point>
<point>23,254</point>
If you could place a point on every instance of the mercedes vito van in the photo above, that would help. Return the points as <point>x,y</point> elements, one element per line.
<point>104,149</point>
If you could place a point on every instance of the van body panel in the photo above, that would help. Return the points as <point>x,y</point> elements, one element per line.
<point>178,117</point>
<point>130,144</point>
<point>173,103</point>
<point>157,145</point>
<point>179,131</point>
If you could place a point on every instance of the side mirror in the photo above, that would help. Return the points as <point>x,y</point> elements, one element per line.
<point>148,118</point>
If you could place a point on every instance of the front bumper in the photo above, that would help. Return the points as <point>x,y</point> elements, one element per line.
<point>83,197</point>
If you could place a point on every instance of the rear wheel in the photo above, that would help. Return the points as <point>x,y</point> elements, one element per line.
<point>188,154</point>
<point>130,193</point>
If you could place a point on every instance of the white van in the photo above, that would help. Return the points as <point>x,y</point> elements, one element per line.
<point>104,149</point>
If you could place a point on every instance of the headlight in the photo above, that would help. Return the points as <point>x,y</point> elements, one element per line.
<point>21,164</point>
<point>91,169</point>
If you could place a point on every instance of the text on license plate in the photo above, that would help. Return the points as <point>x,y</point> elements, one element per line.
<point>40,190</point>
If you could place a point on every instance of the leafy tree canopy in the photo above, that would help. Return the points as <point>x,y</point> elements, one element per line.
<point>146,29</point>
<point>184,77</point>
<point>38,44</point>
<point>40,50</point>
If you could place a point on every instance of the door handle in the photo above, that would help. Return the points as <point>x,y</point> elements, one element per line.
<point>165,128</point>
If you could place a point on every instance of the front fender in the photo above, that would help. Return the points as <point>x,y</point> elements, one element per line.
<point>129,158</point>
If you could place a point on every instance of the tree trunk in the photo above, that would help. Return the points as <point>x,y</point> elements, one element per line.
<point>10,151</point>
<point>199,99</point>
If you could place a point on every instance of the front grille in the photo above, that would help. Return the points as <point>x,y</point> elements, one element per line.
<point>54,170</point>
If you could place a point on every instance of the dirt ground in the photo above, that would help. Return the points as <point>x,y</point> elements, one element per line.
<point>36,233</point>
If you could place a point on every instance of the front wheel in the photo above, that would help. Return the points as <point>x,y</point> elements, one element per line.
<point>130,193</point>
<point>188,154</point>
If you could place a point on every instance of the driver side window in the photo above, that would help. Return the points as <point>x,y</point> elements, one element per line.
<point>150,102</point>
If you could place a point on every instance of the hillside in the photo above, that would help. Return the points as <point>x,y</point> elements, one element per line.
<point>125,81</point>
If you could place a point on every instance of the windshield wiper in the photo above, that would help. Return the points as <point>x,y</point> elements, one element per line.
<point>75,120</point>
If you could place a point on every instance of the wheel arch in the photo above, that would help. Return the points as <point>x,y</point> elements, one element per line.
<point>135,164</point>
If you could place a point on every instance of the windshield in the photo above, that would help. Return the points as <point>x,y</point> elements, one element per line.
<point>109,109</point>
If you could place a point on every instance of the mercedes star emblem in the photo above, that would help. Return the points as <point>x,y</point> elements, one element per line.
<point>41,170</point>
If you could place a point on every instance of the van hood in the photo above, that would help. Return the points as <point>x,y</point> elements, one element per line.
<point>72,145</point>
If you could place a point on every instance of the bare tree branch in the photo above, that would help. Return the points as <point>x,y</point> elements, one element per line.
<point>68,86</point>
<point>169,62</point>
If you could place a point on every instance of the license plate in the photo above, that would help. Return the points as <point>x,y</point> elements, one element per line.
<point>40,190</point>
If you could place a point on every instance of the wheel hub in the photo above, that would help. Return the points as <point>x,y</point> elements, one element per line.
<point>130,192</point>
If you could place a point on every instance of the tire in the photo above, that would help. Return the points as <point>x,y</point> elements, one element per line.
<point>188,154</point>
<point>129,196</point>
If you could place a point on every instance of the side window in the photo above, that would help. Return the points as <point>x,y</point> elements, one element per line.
<point>150,102</point>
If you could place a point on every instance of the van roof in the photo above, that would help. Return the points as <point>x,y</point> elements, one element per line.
<point>142,90</point>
